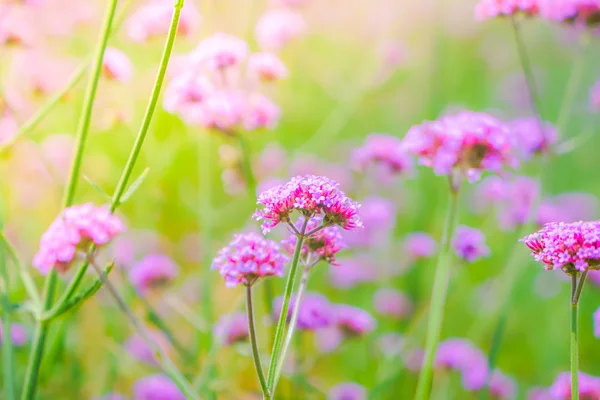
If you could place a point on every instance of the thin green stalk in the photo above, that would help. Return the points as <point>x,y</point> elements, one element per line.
<point>7,347</point>
<point>289,286</point>
<point>158,322</point>
<point>438,300</point>
<point>25,277</point>
<point>574,338</point>
<point>72,287</point>
<point>253,341</point>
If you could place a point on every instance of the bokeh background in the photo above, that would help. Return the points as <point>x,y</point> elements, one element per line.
<point>360,67</point>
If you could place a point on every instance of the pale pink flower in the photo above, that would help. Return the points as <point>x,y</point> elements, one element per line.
<point>73,230</point>
<point>137,347</point>
<point>594,277</point>
<point>277,27</point>
<point>538,393</point>
<point>392,303</point>
<point>379,218</point>
<point>18,334</point>
<point>385,153</point>
<point>116,65</point>
<point>328,339</point>
<point>154,18</point>
<point>231,328</point>
<point>57,151</point>
<point>9,125</point>
<point>354,321</point>
<point>350,273</point>
<point>595,97</point>
<point>316,312</point>
<point>589,387</point>
<point>16,26</point>
<point>220,51</point>
<point>419,245</point>
<point>469,244</point>
<point>260,112</point>
<point>223,111</point>
<point>42,74</point>
<point>568,207</point>
<point>152,271</point>
<point>185,94</point>
<point>156,387</point>
<point>463,356</point>
<point>266,67</point>
<point>502,386</point>
<point>486,9</point>
<point>347,391</point>
<point>530,140</point>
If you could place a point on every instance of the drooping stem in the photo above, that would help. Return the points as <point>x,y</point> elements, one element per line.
<point>289,286</point>
<point>438,300</point>
<point>574,338</point>
<point>254,343</point>
<point>7,347</point>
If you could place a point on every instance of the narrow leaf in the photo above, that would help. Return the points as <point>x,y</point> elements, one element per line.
<point>134,186</point>
<point>102,192</point>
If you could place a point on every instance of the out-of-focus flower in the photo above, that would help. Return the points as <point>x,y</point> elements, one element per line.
<point>57,151</point>
<point>328,339</point>
<point>589,387</point>
<point>586,12</point>
<point>18,334</point>
<point>155,387</point>
<point>463,356</point>
<point>16,28</point>
<point>289,3</point>
<point>413,359</point>
<point>391,344</point>
<point>419,245</point>
<point>220,51</point>
<point>386,153</point>
<point>73,230</point>
<point>260,112</point>
<point>392,302</point>
<point>154,18</point>
<point>185,94</point>
<point>222,111</point>
<point>110,396</point>
<point>531,141</point>
<point>487,9</point>
<point>347,391</point>
<point>321,245</point>
<point>354,321</point>
<point>469,244</point>
<point>310,195</point>
<point>597,323</point>
<point>573,246</point>
<point>41,73</point>
<point>350,273</point>
<point>594,277</point>
<point>247,258</point>
<point>231,328</point>
<point>8,125</point>
<point>379,217</point>
<point>137,347</point>
<point>266,67</point>
<point>538,393</point>
<point>116,65</point>
<point>467,142</point>
<point>316,312</point>
<point>278,27</point>
<point>490,191</point>
<point>595,97</point>
<point>502,386</point>
<point>153,271</point>
<point>567,207</point>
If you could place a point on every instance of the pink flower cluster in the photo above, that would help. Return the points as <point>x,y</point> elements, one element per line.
<point>586,12</point>
<point>231,328</point>
<point>321,245</point>
<point>469,142</point>
<point>568,207</point>
<point>385,153</point>
<point>73,230</point>
<point>248,257</point>
<point>419,245</point>
<point>316,312</point>
<point>152,271</point>
<point>487,9</point>
<point>469,244</point>
<point>530,139</point>
<point>569,246</point>
<point>589,387</point>
<point>156,386</point>
<point>310,195</point>
<point>347,391</point>
<point>463,356</point>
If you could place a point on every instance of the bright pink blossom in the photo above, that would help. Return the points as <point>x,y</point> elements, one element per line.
<point>278,27</point>
<point>392,303</point>
<point>385,153</point>
<point>266,67</point>
<point>347,391</point>
<point>586,12</point>
<point>463,356</point>
<point>231,328</point>
<point>220,51</point>
<point>156,387</point>
<point>116,65</point>
<point>260,112</point>
<point>153,271</point>
<point>154,18</point>
<point>354,321</point>
<point>469,244</point>
<point>589,387</point>
<point>486,9</point>
<point>321,245</point>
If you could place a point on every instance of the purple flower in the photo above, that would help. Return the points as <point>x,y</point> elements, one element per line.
<point>379,217</point>
<point>321,245</point>
<point>18,334</point>
<point>392,302</point>
<point>350,273</point>
<point>530,139</point>
<point>463,356</point>
<point>469,244</point>
<point>248,257</point>
<point>347,391</point>
<point>156,387</point>
<point>419,245</point>
<point>502,386</point>
<point>574,246</point>
<point>152,271</point>
<point>137,347</point>
<point>316,312</point>
<point>594,277</point>
<point>567,207</point>
<point>386,153</point>
<point>467,142</point>
<point>597,323</point>
<point>310,195</point>
<point>354,321</point>
<point>589,387</point>
<point>231,328</point>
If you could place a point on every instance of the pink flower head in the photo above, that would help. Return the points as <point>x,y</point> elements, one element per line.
<point>589,387</point>
<point>354,321</point>
<point>278,27</point>
<point>260,112</point>
<point>569,246</point>
<point>328,339</point>
<point>116,65</point>
<point>468,141</point>
<point>392,302</point>
<point>18,334</point>
<point>137,347</point>
<point>514,204</point>
<point>185,94</point>
<point>310,195</point>
<point>419,245</point>
<point>492,190</point>
<point>73,230</point>
<point>595,97</point>
<point>385,152</point>
<point>321,245</point>
<point>266,67</point>
<point>154,18</point>
<point>350,273</point>
<point>156,387</point>
<point>530,140</point>
<point>221,51</point>
<point>379,217</point>
<point>463,356</point>
<point>469,244</point>
<point>152,271</point>
<point>597,323</point>
<point>487,9</point>
<point>568,207</point>
<point>347,391</point>
<point>586,12</point>
<point>231,328</point>
<point>502,386</point>
<point>223,111</point>
<point>248,257</point>
<point>316,312</point>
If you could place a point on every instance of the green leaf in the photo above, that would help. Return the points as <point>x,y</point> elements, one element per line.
<point>102,192</point>
<point>134,186</point>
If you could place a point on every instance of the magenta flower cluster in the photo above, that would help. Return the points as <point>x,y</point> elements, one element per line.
<point>354,321</point>
<point>461,355</point>
<point>321,245</point>
<point>589,387</point>
<point>385,153</point>
<point>73,230</point>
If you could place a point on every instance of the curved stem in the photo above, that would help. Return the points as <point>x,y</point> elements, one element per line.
<point>289,286</point>
<point>253,342</point>
<point>574,337</point>
<point>438,299</point>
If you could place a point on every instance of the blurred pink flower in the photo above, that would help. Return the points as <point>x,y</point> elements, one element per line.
<point>156,387</point>
<point>152,271</point>
<point>316,312</point>
<point>469,244</point>
<point>597,323</point>
<point>328,339</point>
<point>74,229</point>
<point>277,27</point>
<point>413,359</point>
<point>185,94</point>
<point>379,218</point>
<point>16,26</point>
<point>289,3</point>
<point>419,245</point>
<point>231,328</point>
<point>40,73</point>
<point>385,153</point>
<point>463,356</point>
<point>57,151</point>
<point>153,19</point>
<point>136,346</point>
<point>354,321</point>
<point>347,391</point>
<point>220,51</point>
<point>486,9</point>
<point>116,65</point>
<point>266,67</point>
<point>260,112</point>
<point>350,273</point>
<point>8,125</point>
<point>322,245</point>
<point>589,387</point>
<point>18,334</point>
<point>538,393</point>
<point>502,386</point>
<point>223,110</point>
<point>567,207</point>
<point>595,97</point>
<point>531,140</point>
<point>392,303</point>
<point>110,396</point>
<point>571,11</point>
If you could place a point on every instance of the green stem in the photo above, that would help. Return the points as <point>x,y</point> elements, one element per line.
<point>158,322</point>
<point>574,337</point>
<point>72,287</point>
<point>438,299</point>
<point>25,277</point>
<point>253,341</point>
<point>289,286</point>
<point>7,347</point>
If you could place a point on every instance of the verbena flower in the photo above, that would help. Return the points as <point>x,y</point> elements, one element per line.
<point>568,246</point>
<point>116,65</point>
<point>392,303</point>
<point>350,273</point>
<point>137,347</point>
<point>589,387</point>
<point>469,244</point>
<point>321,245</point>
<point>530,139</point>
<point>310,195</point>
<point>568,207</point>
<point>583,12</point>
<point>220,51</point>
<point>419,245</point>
<point>385,153</point>
<point>461,355</point>
<point>73,231</point>
<point>316,312</point>
<point>277,27</point>
<point>467,142</point>
<point>231,328</point>
<point>347,391</point>
<point>486,9</point>
<point>354,321</point>
<point>596,318</point>
<point>156,386</point>
<point>152,271</point>
<point>247,258</point>
<point>260,112</point>
<point>266,67</point>
<point>595,97</point>
<point>502,386</point>
<point>378,216</point>
<point>154,18</point>
<point>18,334</point>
